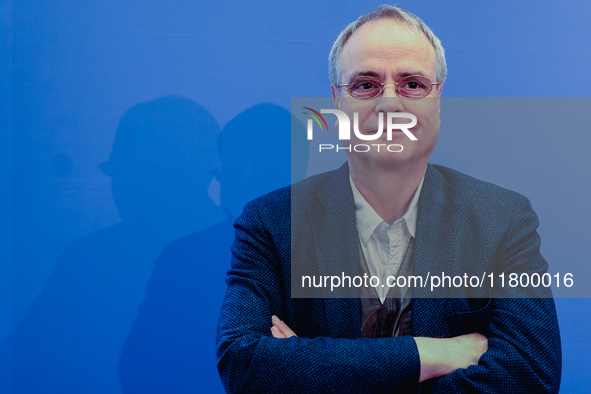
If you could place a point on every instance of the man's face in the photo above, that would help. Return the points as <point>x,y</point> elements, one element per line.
<point>390,51</point>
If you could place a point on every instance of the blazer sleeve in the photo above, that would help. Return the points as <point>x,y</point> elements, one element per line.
<point>524,354</point>
<point>251,360</point>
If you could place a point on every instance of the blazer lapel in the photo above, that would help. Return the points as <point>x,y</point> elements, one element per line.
<point>435,249</point>
<point>335,239</point>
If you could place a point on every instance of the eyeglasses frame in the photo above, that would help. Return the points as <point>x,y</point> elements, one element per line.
<point>396,88</point>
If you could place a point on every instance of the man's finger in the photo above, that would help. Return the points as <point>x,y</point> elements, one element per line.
<point>283,328</point>
<point>276,333</point>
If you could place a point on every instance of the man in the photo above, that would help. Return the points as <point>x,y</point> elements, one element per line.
<point>385,213</point>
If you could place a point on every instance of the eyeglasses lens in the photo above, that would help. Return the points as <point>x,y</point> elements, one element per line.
<point>412,86</point>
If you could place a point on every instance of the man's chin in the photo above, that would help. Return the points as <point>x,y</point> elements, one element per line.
<point>394,157</point>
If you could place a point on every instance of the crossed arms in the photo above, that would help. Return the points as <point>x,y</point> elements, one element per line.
<point>519,351</point>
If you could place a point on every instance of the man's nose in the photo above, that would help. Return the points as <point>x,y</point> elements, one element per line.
<point>390,101</point>
<point>389,90</point>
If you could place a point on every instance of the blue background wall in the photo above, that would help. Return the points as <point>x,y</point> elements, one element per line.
<point>78,247</point>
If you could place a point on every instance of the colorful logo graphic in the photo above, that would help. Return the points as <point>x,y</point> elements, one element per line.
<point>316,118</point>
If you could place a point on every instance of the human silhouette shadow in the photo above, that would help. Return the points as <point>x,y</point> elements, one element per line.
<point>171,347</point>
<point>161,165</point>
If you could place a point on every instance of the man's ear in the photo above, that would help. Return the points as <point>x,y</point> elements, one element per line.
<point>440,89</point>
<point>336,95</point>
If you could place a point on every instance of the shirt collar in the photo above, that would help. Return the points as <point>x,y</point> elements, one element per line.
<point>368,219</point>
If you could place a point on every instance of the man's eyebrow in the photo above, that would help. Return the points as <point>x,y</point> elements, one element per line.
<point>406,74</point>
<point>367,73</point>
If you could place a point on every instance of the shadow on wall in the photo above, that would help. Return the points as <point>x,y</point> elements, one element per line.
<point>161,165</point>
<point>171,346</point>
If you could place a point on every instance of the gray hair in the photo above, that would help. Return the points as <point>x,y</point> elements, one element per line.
<point>385,11</point>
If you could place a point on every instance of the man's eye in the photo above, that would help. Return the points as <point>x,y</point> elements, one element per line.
<point>365,85</point>
<point>414,85</point>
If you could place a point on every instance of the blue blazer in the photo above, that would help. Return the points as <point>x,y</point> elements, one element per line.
<point>463,226</point>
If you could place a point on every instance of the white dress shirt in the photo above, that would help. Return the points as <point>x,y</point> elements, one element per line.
<point>383,245</point>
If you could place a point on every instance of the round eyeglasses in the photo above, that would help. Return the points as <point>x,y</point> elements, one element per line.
<point>411,86</point>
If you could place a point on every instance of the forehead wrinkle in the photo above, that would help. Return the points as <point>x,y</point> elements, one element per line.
<point>385,45</point>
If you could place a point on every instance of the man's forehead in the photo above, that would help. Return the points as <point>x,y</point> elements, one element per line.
<point>387,42</point>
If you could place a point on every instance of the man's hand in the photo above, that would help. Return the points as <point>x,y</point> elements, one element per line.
<point>442,356</point>
<point>279,329</point>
